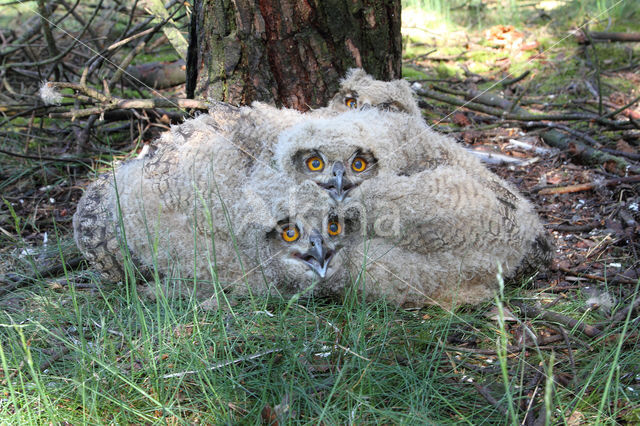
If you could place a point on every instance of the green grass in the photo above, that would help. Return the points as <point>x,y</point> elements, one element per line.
<point>128,358</point>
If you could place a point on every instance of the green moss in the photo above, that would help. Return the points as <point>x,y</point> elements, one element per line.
<point>413,74</point>
<point>444,70</point>
<point>621,84</point>
<point>411,51</point>
<point>11,14</point>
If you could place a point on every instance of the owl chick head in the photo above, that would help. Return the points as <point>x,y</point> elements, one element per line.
<point>340,152</point>
<point>358,90</point>
<point>306,240</point>
<point>336,152</point>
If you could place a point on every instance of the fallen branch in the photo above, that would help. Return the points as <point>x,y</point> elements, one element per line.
<point>587,227</point>
<point>223,364</point>
<point>510,81</point>
<point>60,55</point>
<point>498,159</point>
<point>106,102</point>
<point>136,50</point>
<point>532,311</point>
<point>116,103</point>
<point>599,37</point>
<point>482,102</point>
<point>587,154</point>
<point>617,277</point>
<point>624,110</point>
<point>44,158</point>
<point>587,186</point>
<point>629,155</point>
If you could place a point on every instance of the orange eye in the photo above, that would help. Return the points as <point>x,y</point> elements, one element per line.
<point>334,228</point>
<point>290,233</point>
<point>359,164</point>
<point>315,164</point>
<point>351,103</point>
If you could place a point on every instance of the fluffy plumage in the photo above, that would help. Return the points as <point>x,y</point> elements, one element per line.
<point>257,127</point>
<point>359,90</point>
<point>319,234</point>
<point>194,208</point>
<point>440,236</point>
<point>432,223</point>
<point>183,187</point>
<point>96,229</point>
<point>439,223</point>
<point>385,142</point>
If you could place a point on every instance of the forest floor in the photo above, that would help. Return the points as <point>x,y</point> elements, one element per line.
<point>549,111</point>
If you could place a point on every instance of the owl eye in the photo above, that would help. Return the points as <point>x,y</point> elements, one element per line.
<point>359,164</point>
<point>334,228</point>
<point>315,164</point>
<point>290,233</point>
<point>351,103</point>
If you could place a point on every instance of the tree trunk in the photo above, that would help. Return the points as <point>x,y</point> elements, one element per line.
<point>289,52</point>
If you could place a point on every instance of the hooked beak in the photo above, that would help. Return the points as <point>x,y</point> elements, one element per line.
<point>338,186</point>
<point>318,256</point>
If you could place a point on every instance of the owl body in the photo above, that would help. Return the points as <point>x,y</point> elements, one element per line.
<point>172,211</point>
<point>444,234</point>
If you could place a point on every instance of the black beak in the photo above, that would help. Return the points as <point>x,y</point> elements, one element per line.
<point>338,185</point>
<point>317,249</point>
<point>318,256</point>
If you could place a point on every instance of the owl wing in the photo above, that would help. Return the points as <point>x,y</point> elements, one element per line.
<point>445,210</point>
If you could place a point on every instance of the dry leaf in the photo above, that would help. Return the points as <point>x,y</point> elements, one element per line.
<point>503,35</point>
<point>576,418</point>
<point>269,416</point>
<point>554,179</point>
<point>493,314</point>
<point>460,119</point>
<point>623,146</point>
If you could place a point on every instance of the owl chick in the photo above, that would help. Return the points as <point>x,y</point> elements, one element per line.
<point>193,210</point>
<point>172,210</point>
<point>308,247</point>
<point>360,90</point>
<point>256,128</point>
<point>339,152</point>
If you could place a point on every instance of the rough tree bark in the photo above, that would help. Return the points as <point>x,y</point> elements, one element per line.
<point>289,52</point>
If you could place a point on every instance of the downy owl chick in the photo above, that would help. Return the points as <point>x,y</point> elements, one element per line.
<point>447,210</point>
<point>168,207</point>
<point>339,152</point>
<point>306,241</point>
<point>360,90</point>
